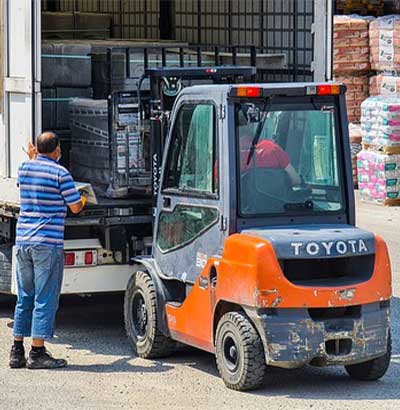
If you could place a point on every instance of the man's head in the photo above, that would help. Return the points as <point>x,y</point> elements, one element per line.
<point>48,144</point>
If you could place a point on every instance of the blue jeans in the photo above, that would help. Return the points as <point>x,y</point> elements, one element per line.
<point>39,275</point>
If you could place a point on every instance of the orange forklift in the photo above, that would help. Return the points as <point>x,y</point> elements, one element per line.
<point>256,257</point>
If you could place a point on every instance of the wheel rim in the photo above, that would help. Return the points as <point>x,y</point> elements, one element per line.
<point>231,353</point>
<point>139,315</point>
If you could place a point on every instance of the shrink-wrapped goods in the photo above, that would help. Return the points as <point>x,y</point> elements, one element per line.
<point>379,177</point>
<point>351,49</point>
<point>384,34</point>
<point>355,134</point>
<point>380,122</point>
<point>384,84</point>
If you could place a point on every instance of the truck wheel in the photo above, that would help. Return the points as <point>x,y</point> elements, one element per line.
<point>373,369</point>
<point>140,314</point>
<point>239,352</point>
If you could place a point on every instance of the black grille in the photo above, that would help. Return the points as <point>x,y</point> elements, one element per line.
<point>329,271</point>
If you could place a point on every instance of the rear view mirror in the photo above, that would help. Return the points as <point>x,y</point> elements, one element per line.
<point>251,113</point>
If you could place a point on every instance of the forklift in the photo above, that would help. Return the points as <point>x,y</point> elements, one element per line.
<point>256,257</point>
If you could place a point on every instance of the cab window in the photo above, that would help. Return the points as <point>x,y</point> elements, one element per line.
<point>191,164</point>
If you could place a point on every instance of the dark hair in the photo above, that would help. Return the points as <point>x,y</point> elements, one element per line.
<point>47,142</point>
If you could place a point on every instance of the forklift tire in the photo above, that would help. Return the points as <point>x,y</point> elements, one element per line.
<point>140,315</point>
<point>373,369</point>
<point>239,352</point>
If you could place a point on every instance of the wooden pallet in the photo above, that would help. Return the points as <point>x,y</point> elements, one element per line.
<point>382,150</point>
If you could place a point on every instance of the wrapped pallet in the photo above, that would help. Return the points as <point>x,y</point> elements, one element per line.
<point>351,44</point>
<point>384,84</point>
<point>355,134</point>
<point>380,122</point>
<point>351,60</point>
<point>379,177</point>
<point>114,164</point>
<point>384,34</point>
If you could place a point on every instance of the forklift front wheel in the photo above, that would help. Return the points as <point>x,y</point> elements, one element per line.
<point>140,315</point>
<point>372,369</point>
<point>239,352</point>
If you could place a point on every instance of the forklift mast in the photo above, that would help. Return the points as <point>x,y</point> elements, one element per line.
<point>166,82</point>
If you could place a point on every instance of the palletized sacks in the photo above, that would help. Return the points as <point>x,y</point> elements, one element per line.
<point>357,92</point>
<point>384,84</point>
<point>380,121</point>
<point>351,45</point>
<point>384,34</point>
<point>378,176</point>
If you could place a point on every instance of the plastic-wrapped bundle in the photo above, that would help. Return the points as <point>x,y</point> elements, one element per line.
<point>357,92</point>
<point>380,122</point>
<point>355,134</point>
<point>351,45</point>
<point>103,160</point>
<point>379,177</point>
<point>384,34</point>
<point>384,84</point>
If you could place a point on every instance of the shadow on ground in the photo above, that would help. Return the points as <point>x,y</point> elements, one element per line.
<point>96,325</point>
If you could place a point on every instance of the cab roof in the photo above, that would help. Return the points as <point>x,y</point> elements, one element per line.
<point>268,89</point>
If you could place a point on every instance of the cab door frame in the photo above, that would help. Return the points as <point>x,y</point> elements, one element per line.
<point>176,199</point>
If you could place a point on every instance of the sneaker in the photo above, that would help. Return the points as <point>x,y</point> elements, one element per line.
<point>17,358</point>
<point>44,361</point>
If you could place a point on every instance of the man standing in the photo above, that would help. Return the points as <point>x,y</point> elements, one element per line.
<point>46,189</point>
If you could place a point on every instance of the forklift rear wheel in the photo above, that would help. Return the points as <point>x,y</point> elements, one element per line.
<point>140,314</point>
<point>373,369</point>
<point>239,352</point>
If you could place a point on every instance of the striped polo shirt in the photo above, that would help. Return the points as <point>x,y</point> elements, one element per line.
<point>46,188</point>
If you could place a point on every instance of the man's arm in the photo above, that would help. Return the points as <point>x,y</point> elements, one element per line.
<point>76,208</point>
<point>74,201</point>
<point>293,175</point>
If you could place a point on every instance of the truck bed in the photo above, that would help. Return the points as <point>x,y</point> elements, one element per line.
<point>107,211</point>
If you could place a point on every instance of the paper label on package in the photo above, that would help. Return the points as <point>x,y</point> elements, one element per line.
<point>389,86</point>
<point>386,53</point>
<point>387,24</point>
<point>386,38</point>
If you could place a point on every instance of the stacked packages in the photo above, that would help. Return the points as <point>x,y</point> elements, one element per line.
<point>384,84</point>
<point>384,37</point>
<point>379,177</point>
<point>380,121</point>
<point>355,134</point>
<point>351,60</point>
<point>351,44</point>
<point>357,92</point>
<point>378,166</point>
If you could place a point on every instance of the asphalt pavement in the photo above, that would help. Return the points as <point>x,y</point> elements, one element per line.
<point>104,374</point>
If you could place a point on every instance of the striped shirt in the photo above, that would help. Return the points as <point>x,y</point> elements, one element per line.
<point>46,188</point>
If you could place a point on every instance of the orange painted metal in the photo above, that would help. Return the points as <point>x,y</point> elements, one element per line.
<point>249,274</point>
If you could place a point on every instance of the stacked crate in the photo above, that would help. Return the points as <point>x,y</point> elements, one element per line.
<point>378,164</point>
<point>352,61</point>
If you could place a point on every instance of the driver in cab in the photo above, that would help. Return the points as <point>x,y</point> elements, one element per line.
<point>262,153</point>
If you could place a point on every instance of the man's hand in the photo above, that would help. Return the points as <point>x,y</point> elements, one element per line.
<point>32,151</point>
<point>76,208</point>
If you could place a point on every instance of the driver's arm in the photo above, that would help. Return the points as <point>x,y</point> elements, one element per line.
<point>293,175</point>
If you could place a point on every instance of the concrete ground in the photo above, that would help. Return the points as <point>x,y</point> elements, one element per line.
<point>103,374</point>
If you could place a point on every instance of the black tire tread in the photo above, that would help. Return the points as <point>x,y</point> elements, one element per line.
<point>161,345</point>
<point>254,353</point>
<point>373,369</point>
